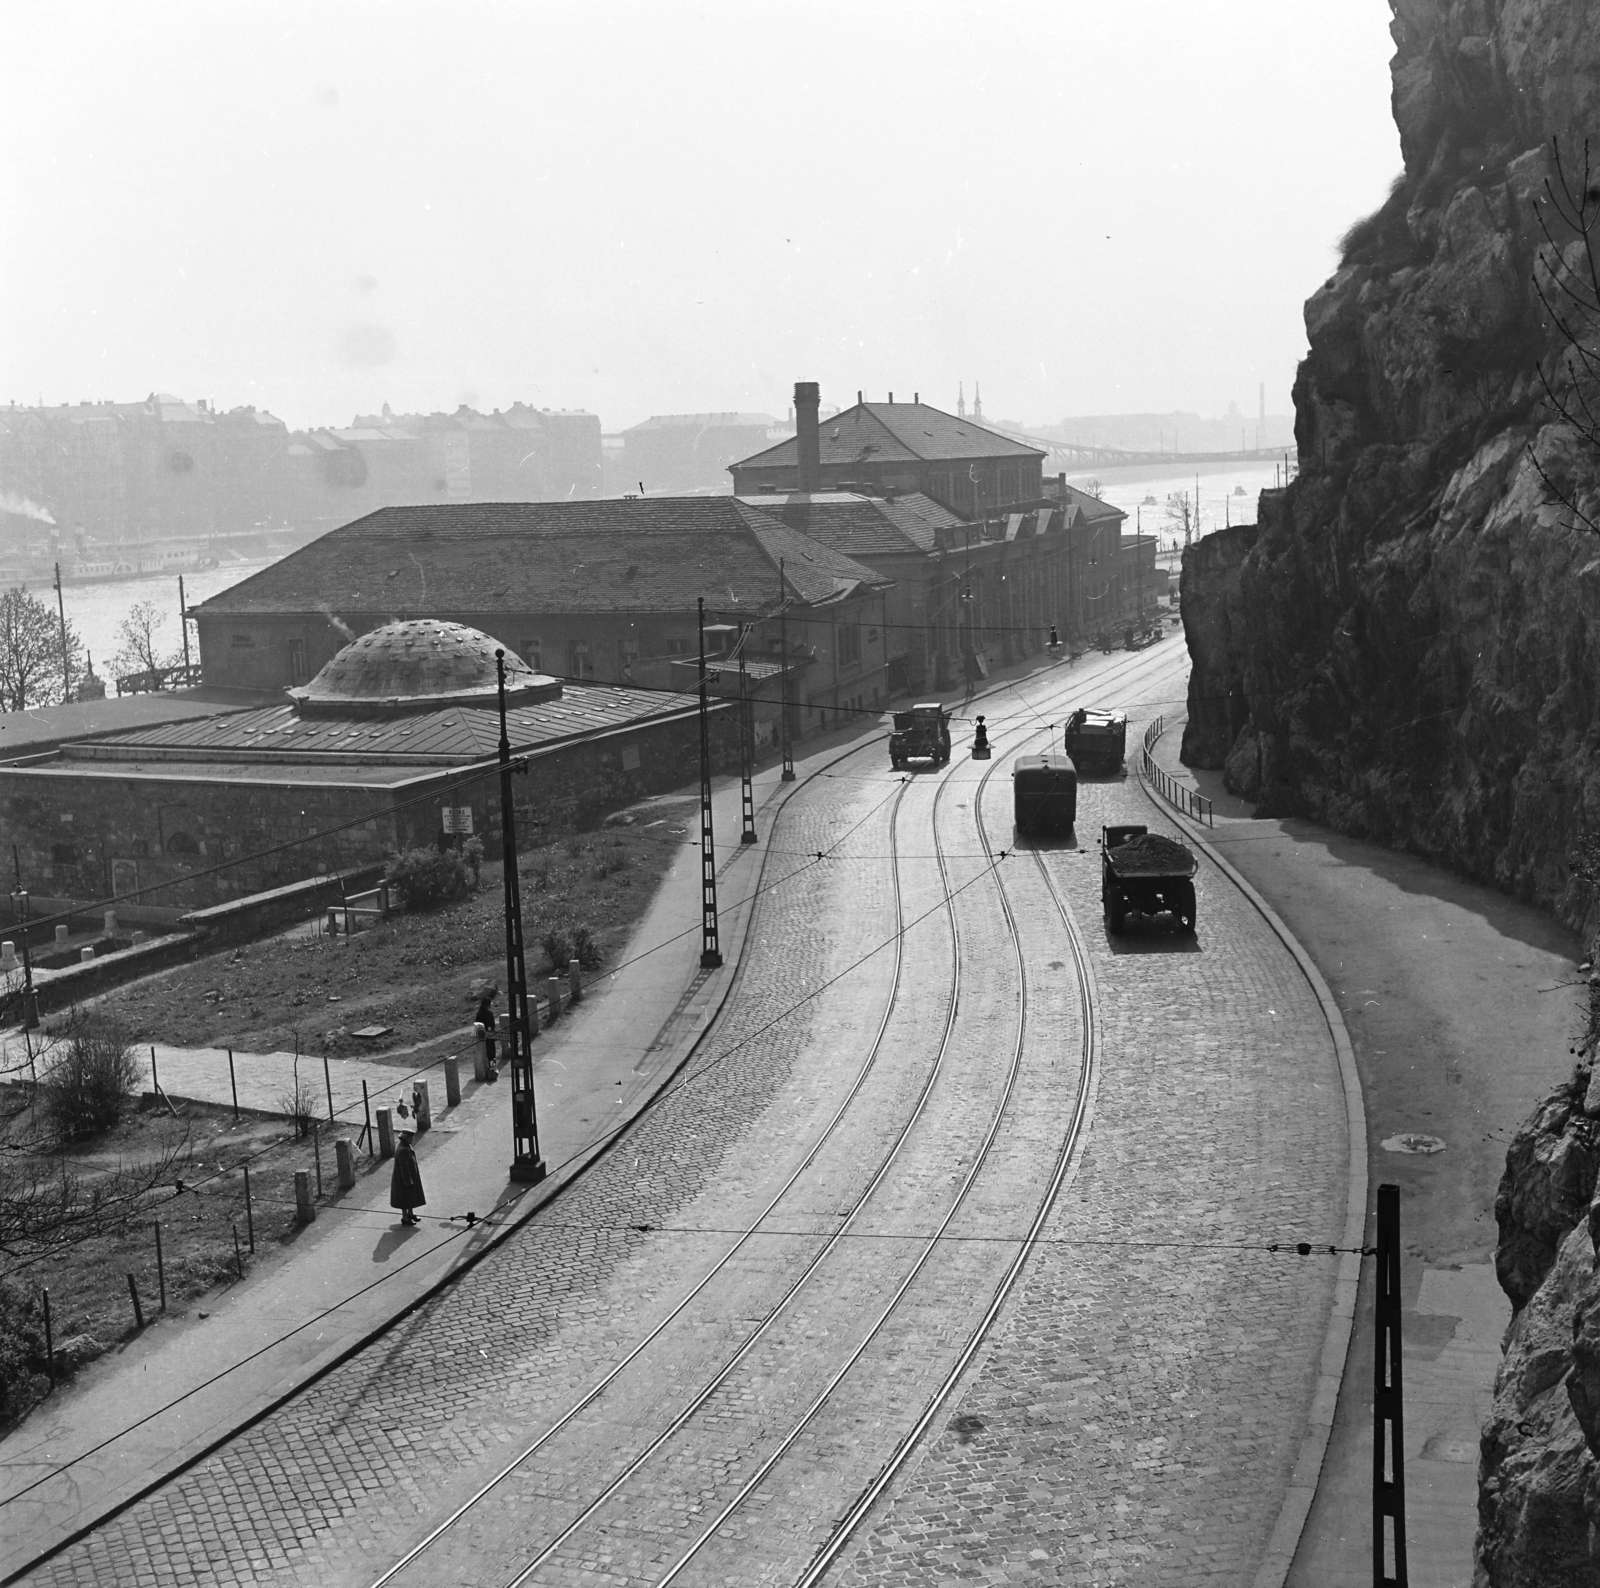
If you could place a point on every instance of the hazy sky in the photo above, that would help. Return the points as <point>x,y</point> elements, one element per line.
<point>666,207</point>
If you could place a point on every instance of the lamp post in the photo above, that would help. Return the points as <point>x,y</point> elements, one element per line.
<point>19,906</point>
<point>527,1165</point>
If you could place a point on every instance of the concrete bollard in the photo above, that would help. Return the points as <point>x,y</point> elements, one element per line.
<point>574,981</point>
<point>344,1154</point>
<point>8,956</point>
<point>111,923</point>
<point>553,992</point>
<point>480,1052</point>
<point>85,955</point>
<point>305,1208</point>
<point>385,1133</point>
<point>421,1107</point>
<point>62,934</point>
<point>452,1082</point>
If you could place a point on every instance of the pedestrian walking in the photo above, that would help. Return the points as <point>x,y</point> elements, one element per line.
<point>485,1018</point>
<point>980,737</point>
<point>405,1185</point>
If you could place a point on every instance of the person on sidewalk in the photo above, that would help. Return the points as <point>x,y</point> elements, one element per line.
<point>405,1185</point>
<point>485,1018</point>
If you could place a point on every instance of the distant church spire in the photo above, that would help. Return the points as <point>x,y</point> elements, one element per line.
<point>977,401</point>
<point>961,400</point>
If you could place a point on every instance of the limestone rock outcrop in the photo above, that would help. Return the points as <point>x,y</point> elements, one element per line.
<point>1407,647</point>
<point>1409,650</point>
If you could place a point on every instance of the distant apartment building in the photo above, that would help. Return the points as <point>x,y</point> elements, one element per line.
<point>81,477</point>
<point>691,452</point>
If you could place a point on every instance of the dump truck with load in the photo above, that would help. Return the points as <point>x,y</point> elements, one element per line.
<point>921,734</point>
<point>1097,741</point>
<point>1044,791</point>
<point>1145,873</point>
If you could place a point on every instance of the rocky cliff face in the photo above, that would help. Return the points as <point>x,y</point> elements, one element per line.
<point>1408,647</point>
<point>1410,650</point>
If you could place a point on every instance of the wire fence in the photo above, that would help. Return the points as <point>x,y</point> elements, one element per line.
<point>1173,792</point>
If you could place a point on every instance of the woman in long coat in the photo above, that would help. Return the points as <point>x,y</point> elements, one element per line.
<point>405,1186</point>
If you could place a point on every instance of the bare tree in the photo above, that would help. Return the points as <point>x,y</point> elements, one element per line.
<point>1566,276</point>
<point>1181,516</point>
<point>141,644</point>
<point>30,652</point>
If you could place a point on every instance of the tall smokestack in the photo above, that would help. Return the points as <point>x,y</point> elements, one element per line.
<point>808,444</point>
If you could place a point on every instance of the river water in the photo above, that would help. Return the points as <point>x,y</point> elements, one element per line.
<point>96,610</point>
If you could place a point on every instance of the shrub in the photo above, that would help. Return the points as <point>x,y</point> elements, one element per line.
<point>427,878</point>
<point>86,1080</point>
<point>611,858</point>
<point>300,1105</point>
<point>23,1382</point>
<point>566,943</point>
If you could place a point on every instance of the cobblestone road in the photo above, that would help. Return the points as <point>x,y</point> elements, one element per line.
<point>1140,1409</point>
<point>1135,1414</point>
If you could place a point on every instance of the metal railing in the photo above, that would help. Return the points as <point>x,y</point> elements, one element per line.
<point>1171,790</point>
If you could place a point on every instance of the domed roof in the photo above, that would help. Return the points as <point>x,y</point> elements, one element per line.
<point>419,665</point>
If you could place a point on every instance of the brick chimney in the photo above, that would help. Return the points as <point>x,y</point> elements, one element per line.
<point>808,444</point>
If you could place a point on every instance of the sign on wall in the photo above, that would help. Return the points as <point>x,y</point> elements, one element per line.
<point>457,819</point>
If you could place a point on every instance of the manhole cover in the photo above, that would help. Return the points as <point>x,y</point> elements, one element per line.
<point>1412,1142</point>
<point>371,1033</point>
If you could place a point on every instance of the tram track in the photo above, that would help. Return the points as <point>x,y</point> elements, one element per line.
<point>588,1399</point>
<point>549,1552</point>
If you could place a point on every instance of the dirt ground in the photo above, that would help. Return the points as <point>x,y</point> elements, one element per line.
<point>414,973</point>
<point>90,1304</point>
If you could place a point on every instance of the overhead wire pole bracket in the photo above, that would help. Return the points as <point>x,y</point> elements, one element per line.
<point>710,951</point>
<point>783,676</point>
<point>747,800</point>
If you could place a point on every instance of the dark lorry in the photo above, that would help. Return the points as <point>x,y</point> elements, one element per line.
<point>921,734</point>
<point>1097,741</point>
<point>1144,873</point>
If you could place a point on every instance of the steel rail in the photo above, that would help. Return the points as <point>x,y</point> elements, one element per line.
<point>1132,664</point>
<point>847,1526</point>
<point>597,1389</point>
<point>930,1242</point>
<point>832,1241</point>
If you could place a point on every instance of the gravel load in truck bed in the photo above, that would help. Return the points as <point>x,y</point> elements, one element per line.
<point>1152,855</point>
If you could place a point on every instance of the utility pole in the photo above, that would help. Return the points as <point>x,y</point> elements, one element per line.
<point>183,628</point>
<point>783,677</point>
<point>747,747</point>
<point>710,953</point>
<point>527,1165</point>
<point>66,663</point>
<point>1388,1431</point>
<point>19,905</point>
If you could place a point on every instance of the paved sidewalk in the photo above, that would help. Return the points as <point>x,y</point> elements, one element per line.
<point>189,1383</point>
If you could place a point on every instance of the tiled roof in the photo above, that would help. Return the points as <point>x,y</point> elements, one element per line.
<point>651,554</point>
<point>450,734</point>
<point>1091,507</point>
<point>862,526</point>
<point>895,433</point>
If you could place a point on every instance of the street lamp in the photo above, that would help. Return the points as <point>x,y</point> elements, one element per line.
<point>527,1165</point>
